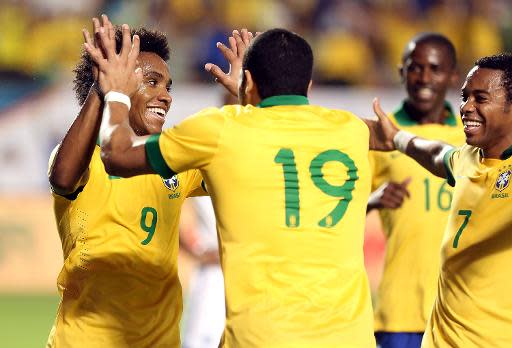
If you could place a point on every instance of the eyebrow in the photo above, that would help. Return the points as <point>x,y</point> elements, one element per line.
<point>481,91</point>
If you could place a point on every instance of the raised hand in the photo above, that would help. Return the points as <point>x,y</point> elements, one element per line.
<point>234,54</point>
<point>96,30</point>
<point>382,130</point>
<point>116,70</point>
<point>389,195</point>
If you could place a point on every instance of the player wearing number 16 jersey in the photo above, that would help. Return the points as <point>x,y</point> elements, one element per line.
<point>413,203</point>
<point>119,284</point>
<point>289,184</point>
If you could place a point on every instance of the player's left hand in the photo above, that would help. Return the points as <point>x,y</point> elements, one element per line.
<point>382,130</point>
<point>116,71</point>
<point>234,55</point>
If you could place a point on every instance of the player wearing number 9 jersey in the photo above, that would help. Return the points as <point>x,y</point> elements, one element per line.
<point>119,284</point>
<point>289,184</point>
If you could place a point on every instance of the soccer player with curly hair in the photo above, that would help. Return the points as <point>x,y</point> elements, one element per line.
<point>119,284</point>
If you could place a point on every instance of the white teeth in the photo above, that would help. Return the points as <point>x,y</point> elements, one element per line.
<point>471,124</point>
<point>158,111</point>
<point>425,92</point>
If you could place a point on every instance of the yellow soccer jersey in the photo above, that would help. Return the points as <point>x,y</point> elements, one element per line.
<point>473,308</point>
<point>119,284</point>
<point>414,231</point>
<point>289,183</point>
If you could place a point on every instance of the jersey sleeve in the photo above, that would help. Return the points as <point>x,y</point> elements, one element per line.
<point>192,144</point>
<point>450,159</point>
<point>197,187</point>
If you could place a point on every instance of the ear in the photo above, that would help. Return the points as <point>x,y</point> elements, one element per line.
<point>251,89</point>
<point>310,86</point>
<point>454,79</point>
<point>249,82</point>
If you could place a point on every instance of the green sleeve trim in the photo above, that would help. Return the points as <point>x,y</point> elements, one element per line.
<point>70,196</point>
<point>155,158</point>
<point>449,174</point>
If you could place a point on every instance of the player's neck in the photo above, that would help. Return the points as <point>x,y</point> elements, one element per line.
<point>436,115</point>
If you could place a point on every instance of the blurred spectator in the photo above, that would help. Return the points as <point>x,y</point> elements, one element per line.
<point>357,42</point>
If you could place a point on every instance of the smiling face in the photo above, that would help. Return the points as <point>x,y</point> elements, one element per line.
<point>152,101</point>
<point>428,71</point>
<point>485,111</point>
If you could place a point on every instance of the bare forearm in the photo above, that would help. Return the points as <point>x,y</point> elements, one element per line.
<point>76,149</point>
<point>429,154</point>
<point>122,151</point>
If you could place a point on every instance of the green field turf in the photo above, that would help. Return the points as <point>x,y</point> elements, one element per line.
<point>26,320</point>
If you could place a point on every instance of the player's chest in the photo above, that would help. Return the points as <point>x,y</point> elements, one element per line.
<point>481,215</point>
<point>128,192</point>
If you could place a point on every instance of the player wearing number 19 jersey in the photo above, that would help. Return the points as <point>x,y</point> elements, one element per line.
<point>288,183</point>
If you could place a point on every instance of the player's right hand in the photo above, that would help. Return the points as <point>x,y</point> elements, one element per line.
<point>234,54</point>
<point>389,195</point>
<point>116,70</point>
<point>382,130</point>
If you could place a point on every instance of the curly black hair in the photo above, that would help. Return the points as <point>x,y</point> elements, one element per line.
<point>503,62</point>
<point>150,41</point>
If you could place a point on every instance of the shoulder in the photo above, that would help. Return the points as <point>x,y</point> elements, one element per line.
<point>206,119</point>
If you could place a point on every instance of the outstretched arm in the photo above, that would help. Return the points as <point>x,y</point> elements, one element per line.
<point>385,136</point>
<point>122,151</point>
<point>69,168</point>
<point>234,54</point>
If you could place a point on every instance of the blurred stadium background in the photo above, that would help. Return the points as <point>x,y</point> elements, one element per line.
<point>357,46</point>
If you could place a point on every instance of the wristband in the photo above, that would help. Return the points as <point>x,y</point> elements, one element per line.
<point>113,96</point>
<point>402,139</point>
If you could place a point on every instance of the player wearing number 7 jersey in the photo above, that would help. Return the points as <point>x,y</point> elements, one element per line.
<point>119,284</point>
<point>473,307</point>
<point>289,184</point>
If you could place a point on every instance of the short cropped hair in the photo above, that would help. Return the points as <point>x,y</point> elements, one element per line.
<point>280,62</point>
<point>435,39</point>
<point>150,41</point>
<point>503,62</point>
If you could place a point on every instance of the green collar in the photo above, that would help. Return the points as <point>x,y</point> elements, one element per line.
<point>506,154</point>
<point>404,119</point>
<point>283,100</point>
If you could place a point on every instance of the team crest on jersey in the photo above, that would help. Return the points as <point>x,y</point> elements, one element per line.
<point>503,180</point>
<point>173,183</point>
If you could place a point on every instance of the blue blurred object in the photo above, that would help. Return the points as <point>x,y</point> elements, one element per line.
<point>15,86</point>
